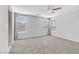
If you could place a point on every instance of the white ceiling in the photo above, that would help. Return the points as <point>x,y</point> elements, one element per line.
<point>35,9</point>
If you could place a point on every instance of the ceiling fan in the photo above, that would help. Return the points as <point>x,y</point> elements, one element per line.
<point>51,8</point>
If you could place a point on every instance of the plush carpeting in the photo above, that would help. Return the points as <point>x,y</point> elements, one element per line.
<point>44,45</point>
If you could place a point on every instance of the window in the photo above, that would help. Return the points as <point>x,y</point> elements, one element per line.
<point>21,24</point>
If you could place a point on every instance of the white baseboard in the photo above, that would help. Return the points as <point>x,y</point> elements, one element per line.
<point>66,37</point>
<point>31,37</point>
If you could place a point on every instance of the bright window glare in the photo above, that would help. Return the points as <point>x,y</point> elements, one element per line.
<point>21,20</point>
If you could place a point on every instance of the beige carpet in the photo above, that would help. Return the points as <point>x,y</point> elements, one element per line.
<point>44,45</point>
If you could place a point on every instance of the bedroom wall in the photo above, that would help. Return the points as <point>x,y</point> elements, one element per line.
<point>35,27</point>
<point>3,29</point>
<point>67,26</point>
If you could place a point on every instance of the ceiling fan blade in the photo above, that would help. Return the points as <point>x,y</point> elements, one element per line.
<point>44,10</point>
<point>56,8</point>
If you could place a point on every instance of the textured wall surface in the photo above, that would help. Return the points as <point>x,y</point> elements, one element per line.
<point>67,25</point>
<point>35,27</point>
<point>3,29</point>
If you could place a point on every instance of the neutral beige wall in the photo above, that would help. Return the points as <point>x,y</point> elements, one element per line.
<point>3,29</point>
<point>67,26</point>
<point>35,27</point>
